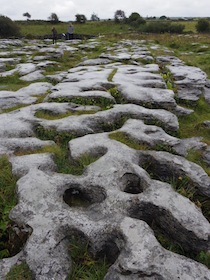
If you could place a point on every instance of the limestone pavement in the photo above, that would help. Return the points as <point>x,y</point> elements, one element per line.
<point>127,190</point>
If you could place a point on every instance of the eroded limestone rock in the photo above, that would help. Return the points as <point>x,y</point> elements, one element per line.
<point>126,195</point>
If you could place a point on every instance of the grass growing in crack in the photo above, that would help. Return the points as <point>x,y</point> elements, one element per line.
<point>196,156</point>
<point>125,139</point>
<point>168,78</point>
<point>7,110</point>
<point>12,83</point>
<point>164,147</point>
<point>173,246</point>
<point>102,102</point>
<point>184,186</point>
<point>40,98</point>
<point>20,272</point>
<point>61,152</point>
<point>8,200</point>
<point>50,115</point>
<point>111,75</point>
<point>84,265</point>
<point>64,63</point>
<point>193,125</point>
<point>117,95</point>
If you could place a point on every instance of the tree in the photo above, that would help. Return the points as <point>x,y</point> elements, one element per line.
<point>80,18</point>
<point>27,15</point>
<point>203,25</point>
<point>53,18</point>
<point>135,20</point>
<point>94,17</point>
<point>119,16</point>
<point>8,28</point>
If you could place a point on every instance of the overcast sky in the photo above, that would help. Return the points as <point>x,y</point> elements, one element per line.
<point>67,9</point>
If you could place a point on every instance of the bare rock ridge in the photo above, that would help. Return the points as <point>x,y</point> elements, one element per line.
<point>127,192</point>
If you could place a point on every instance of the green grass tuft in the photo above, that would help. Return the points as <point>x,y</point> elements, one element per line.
<point>84,265</point>
<point>8,200</point>
<point>20,272</point>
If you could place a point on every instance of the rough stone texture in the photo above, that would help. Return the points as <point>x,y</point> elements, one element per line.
<point>190,81</point>
<point>129,192</point>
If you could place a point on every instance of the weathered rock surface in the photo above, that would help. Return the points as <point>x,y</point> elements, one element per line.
<point>127,194</point>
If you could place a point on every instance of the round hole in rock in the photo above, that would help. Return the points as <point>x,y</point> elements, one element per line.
<point>78,197</point>
<point>132,183</point>
<point>13,239</point>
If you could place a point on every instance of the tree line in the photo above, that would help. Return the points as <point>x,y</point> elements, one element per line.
<point>9,28</point>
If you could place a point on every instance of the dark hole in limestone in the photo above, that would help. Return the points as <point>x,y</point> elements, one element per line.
<point>13,239</point>
<point>168,231</point>
<point>132,183</point>
<point>110,250</point>
<point>78,197</point>
<point>74,197</point>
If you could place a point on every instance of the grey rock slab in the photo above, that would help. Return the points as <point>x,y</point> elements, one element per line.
<point>33,76</point>
<point>141,79</point>
<point>37,88</point>
<point>184,74</point>
<point>62,108</point>
<point>24,96</point>
<point>89,74</point>
<point>123,198</point>
<point>154,137</point>
<point>38,58</point>
<point>150,135</point>
<point>185,145</point>
<point>147,58</point>
<point>96,94</point>
<point>118,56</point>
<point>138,86</point>
<point>44,64</point>
<point>56,78</point>
<point>151,195</point>
<point>2,67</point>
<point>21,165</point>
<point>189,80</point>
<point>8,73</point>
<point>148,96</point>
<point>14,145</point>
<point>85,124</point>
<point>207,91</point>
<point>12,125</point>
<point>144,258</point>
<point>176,167</point>
<point>181,111</point>
<point>206,156</point>
<point>7,263</point>
<point>46,242</point>
<point>169,60</point>
<point>97,61</point>
<point>9,60</point>
<point>11,42</point>
<point>10,99</point>
<point>25,68</point>
<point>174,217</point>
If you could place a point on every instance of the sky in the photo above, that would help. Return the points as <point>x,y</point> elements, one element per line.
<point>67,9</point>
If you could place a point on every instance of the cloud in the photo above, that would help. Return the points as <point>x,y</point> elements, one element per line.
<point>67,9</point>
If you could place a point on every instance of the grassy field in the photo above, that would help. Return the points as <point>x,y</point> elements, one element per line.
<point>90,28</point>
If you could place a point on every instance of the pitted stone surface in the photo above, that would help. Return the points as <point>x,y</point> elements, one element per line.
<point>127,189</point>
<point>190,81</point>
